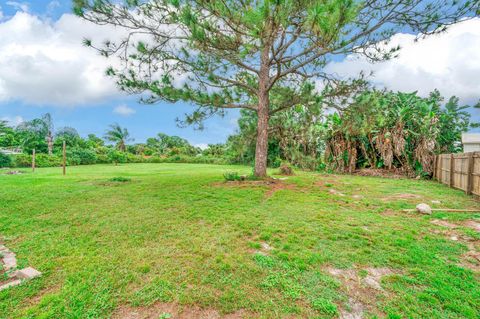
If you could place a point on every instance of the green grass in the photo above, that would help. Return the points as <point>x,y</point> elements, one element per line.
<point>178,233</point>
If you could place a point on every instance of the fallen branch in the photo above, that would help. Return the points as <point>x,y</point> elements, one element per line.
<point>446,210</point>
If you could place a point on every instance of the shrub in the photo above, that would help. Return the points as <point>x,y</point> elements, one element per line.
<point>79,156</point>
<point>232,176</point>
<point>22,160</point>
<point>5,160</point>
<point>120,179</point>
<point>45,160</point>
<point>116,157</point>
<point>132,158</point>
<point>286,169</point>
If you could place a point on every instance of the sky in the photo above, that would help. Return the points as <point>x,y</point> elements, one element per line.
<point>45,68</point>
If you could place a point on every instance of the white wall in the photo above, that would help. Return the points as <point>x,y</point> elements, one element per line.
<point>474,147</point>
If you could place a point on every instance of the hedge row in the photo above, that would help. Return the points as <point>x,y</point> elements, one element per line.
<point>88,157</point>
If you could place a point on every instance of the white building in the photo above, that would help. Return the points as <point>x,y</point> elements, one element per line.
<point>471,142</point>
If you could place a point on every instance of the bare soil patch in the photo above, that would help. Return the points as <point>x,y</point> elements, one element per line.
<point>362,292</point>
<point>444,223</point>
<point>470,259</point>
<point>273,185</point>
<point>386,173</point>
<point>389,212</point>
<point>472,224</point>
<point>174,311</point>
<point>401,196</point>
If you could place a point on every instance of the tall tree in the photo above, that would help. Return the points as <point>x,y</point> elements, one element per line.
<point>118,135</point>
<point>223,54</point>
<point>37,133</point>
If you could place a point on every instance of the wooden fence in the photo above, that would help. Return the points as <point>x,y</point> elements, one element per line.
<point>460,171</point>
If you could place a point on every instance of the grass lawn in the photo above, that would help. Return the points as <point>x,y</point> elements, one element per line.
<point>177,237</point>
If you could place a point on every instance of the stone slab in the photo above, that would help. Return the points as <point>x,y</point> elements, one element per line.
<point>27,273</point>
<point>10,284</point>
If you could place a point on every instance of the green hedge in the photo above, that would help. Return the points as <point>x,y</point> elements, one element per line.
<point>88,157</point>
<point>5,160</point>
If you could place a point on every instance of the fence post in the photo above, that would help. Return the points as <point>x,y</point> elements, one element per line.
<point>33,160</point>
<point>470,173</point>
<point>434,167</point>
<point>452,172</point>
<point>64,158</point>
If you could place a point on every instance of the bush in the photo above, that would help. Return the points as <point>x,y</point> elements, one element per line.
<point>5,160</point>
<point>120,179</point>
<point>79,156</point>
<point>116,157</point>
<point>286,169</point>
<point>232,176</point>
<point>45,160</point>
<point>132,158</point>
<point>22,160</point>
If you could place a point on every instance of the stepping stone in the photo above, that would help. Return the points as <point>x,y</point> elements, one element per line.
<point>27,273</point>
<point>10,284</point>
<point>9,260</point>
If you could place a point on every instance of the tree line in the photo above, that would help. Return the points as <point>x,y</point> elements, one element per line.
<point>373,129</point>
<point>116,146</point>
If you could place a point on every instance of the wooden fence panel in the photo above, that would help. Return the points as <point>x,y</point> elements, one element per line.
<point>461,171</point>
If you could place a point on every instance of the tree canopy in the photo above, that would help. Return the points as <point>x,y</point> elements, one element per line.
<point>234,53</point>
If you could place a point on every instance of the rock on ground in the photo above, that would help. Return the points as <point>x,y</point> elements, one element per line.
<point>424,209</point>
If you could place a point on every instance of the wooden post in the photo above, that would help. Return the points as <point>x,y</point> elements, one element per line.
<point>440,164</point>
<point>470,173</point>
<point>434,176</point>
<point>64,158</point>
<point>33,160</point>
<point>452,171</point>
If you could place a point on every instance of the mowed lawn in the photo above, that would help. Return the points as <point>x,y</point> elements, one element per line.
<point>176,236</point>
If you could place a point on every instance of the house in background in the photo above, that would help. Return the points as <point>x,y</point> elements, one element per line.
<point>471,142</point>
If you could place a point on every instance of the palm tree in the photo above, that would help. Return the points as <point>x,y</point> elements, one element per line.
<point>118,135</point>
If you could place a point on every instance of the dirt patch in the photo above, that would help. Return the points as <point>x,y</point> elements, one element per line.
<point>385,173</point>
<point>472,224</point>
<point>444,223</point>
<point>389,212</point>
<point>401,196</point>
<point>13,173</point>
<point>470,259</point>
<point>174,311</point>
<point>278,186</point>
<point>335,192</point>
<point>272,185</point>
<point>264,250</point>
<point>361,291</point>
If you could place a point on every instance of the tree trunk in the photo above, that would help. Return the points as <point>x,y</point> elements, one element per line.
<point>261,150</point>
<point>50,143</point>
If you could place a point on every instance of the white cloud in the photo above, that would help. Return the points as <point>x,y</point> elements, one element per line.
<point>13,120</point>
<point>449,62</point>
<point>124,110</point>
<point>21,6</point>
<point>202,146</point>
<point>43,62</point>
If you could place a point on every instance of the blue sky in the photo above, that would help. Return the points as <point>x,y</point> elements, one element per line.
<point>95,116</point>
<point>44,68</point>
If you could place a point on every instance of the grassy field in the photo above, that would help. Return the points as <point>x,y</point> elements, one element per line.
<point>177,239</point>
